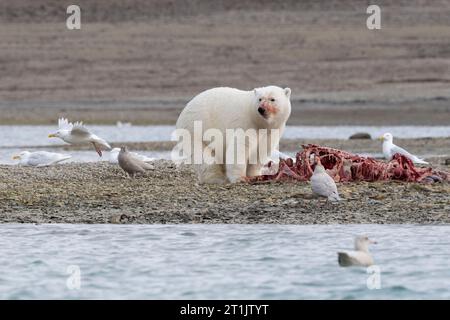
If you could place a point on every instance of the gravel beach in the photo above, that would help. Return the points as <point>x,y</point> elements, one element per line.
<point>101,193</point>
<point>142,63</point>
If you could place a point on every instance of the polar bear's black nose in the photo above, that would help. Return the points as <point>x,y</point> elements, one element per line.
<point>261,111</point>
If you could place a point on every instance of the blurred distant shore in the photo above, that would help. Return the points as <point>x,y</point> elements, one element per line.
<point>432,111</point>
<point>141,61</point>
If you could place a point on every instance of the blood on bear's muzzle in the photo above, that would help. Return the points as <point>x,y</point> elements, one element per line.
<point>266,109</point>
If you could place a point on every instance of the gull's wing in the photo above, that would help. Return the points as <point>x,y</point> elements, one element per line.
<point>147,159</point>
<point>136,159</point>
<point>80,131</point>
<point>323,185</point>
<point>114,156</point>
<point>43,158</point>
<point>100,141</point>
<point>38,158</point>
<point>130,164</point>
<point>354,258</point>
<point>58,157</point>
<point>396,149</point>
<point>141,157</point>
<point>345,259</point>
<point>64,124</point>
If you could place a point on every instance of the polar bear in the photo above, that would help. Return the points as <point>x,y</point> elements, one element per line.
<point>222,115</point>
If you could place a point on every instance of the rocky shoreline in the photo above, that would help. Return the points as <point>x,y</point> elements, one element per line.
<point>101,193</point>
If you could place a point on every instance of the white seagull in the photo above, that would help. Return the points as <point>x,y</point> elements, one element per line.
<point>277,154</point>
<point>322,184</point>
<point>389,149</point>
<point>40,158</point>
<point>360,257</point>
<point>77,133</point>
<point>114,156</point>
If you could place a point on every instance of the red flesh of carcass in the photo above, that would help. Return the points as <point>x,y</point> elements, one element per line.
<point>344,166</point>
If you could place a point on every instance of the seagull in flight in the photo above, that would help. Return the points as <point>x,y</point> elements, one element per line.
<point>77,133</point>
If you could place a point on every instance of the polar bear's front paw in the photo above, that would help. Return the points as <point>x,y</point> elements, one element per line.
<point>236,173</point>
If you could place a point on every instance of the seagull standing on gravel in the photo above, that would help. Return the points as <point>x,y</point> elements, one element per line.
<point>77,133</point>
<point>132,165</point>
<point>114,156</point>
<point>40,158</point>
<point>322,184</point>
<point>360,257</point>
<point>389,149</point>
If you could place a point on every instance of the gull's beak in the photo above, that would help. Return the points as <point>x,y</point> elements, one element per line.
<point>16,157</point>
<point>52,135</point>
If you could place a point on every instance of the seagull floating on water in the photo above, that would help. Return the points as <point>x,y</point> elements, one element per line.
<point>77,133</point>
<point>360,257</point>
<point>389,149</point>
<point>40,158</point>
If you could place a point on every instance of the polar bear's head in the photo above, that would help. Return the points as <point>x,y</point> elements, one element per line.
<point>272,106</point>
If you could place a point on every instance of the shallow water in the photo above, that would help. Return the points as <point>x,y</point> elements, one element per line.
<point>219,261</point>
<point>23,136</point>
<point>15,136</point>
<point>344,132</point>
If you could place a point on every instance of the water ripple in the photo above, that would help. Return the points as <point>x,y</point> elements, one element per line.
<point>219,262</point>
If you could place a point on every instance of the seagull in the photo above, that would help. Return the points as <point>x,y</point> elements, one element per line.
<point>277,154</point>
<point>360,257</point>
<point>121,124</point>
<point>322,184</point>
<point>389,149</point>
<point>40,158</point>
<point>114,156</point>
<point>132,165</point>
<point>77,133</point>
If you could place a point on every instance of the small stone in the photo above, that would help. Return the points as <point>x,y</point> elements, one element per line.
<point>116,219</point>
<point>360,135</point>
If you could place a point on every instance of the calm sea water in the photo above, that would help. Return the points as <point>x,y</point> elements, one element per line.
<point>219,262</point>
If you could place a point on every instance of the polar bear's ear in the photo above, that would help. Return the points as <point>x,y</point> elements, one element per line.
<point>287,92</point>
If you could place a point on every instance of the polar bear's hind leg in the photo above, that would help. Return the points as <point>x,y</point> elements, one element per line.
<point>212,173</point>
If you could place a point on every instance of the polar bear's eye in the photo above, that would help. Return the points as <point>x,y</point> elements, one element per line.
<point>272,99</point>
<point>260,99</point>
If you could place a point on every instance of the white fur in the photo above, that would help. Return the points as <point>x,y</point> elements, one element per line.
<point>228,108</point>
